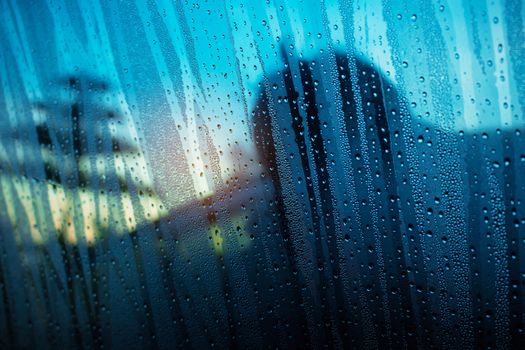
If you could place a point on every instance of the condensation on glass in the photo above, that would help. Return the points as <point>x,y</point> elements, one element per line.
<point>262,174</point>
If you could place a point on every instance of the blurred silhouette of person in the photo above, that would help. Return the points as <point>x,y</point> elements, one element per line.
<point>331,134</point>
<point>336,188</point>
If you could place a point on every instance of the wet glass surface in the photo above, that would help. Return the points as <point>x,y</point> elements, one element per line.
<point>262,174</point>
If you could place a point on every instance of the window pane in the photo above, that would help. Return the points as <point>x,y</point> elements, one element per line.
<point>262,174</point>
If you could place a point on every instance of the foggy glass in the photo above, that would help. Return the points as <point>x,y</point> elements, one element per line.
<point>262,174</point>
